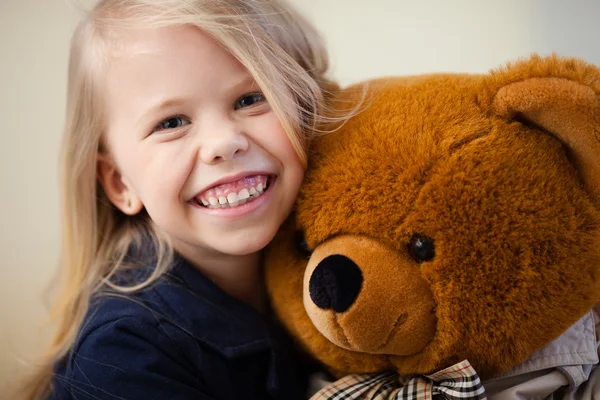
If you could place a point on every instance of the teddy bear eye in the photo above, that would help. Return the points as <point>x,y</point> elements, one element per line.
<point>421,248</point>
<point>302,245</point>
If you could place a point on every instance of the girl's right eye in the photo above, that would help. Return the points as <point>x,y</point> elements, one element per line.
<point>173,122</point>
<point>249,100</point>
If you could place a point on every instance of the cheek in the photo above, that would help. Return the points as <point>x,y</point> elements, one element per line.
<point>275,140</point>
<point>283,150</point>
<point>284,145</point>
<point>156,171</point>
<point>128,160</point>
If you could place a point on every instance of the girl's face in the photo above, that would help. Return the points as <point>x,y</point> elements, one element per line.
<point>192,139</point>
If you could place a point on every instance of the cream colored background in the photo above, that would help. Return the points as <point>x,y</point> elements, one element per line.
<point>366,38</point>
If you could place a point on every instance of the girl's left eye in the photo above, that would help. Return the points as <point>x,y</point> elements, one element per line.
<point>174,122</point>
<point>249,100</point>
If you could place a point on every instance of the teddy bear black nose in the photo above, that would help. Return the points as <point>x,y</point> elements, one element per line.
<point>335,283</point>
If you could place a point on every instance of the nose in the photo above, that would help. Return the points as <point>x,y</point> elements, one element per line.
<point>335,283</point>
<point>222,143</point>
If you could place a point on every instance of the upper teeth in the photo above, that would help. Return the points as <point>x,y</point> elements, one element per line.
<point>234,199</point>
<point>243,194</point>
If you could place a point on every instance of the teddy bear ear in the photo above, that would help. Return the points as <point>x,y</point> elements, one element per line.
<point>560,96</point>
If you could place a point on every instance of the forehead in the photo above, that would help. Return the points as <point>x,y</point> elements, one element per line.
<point>185,40</point>
<point>147,54</point>
<point>149,66</point>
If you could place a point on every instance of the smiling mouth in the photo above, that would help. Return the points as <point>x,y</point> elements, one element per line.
<point>234,194</point>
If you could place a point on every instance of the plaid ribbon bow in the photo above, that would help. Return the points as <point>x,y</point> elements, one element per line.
<point>458,382</point>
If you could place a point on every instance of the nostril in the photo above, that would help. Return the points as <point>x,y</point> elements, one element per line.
<point>335,283</point>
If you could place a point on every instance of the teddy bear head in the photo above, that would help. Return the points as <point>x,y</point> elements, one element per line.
<point>452,217</point>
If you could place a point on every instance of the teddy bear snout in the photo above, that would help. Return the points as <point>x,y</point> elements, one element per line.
<point>348,282</point>
<point>335,283</point>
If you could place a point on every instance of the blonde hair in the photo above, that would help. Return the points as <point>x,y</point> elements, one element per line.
<point>281,51</point>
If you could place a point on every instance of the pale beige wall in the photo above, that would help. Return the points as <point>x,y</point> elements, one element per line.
<point>367,38</point>
<point>33,51</point>
<point>370,38</point>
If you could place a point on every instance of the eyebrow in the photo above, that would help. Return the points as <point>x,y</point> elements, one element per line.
<point>248,80</point>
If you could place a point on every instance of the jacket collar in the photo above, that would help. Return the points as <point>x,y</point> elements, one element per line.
<point>577,346</point>
<point>227,325</point>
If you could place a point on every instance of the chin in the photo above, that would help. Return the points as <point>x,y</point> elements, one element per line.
<point>247,244</point>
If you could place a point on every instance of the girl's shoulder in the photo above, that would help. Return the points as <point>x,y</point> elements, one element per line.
<point>125,345</point>
<point>181,331</point>
<point>182,303</point>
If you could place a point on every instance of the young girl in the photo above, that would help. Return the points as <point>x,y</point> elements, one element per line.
<point>177,171</point>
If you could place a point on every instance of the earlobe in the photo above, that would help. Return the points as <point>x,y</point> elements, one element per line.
<point>117,189</point>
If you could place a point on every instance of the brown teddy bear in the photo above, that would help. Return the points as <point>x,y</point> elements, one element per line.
<point>455,217</point>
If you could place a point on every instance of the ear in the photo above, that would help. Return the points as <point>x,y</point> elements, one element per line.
<point>560,96</point>
<point>116,187</point>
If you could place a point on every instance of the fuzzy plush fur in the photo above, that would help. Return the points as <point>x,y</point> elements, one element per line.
<point>501,171</point>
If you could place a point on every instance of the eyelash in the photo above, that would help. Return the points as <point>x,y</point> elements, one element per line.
<point>261,99</point>
<point>160,126</point>
<point>257,97</point>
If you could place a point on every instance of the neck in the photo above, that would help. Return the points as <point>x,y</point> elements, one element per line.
<point>239,276</point>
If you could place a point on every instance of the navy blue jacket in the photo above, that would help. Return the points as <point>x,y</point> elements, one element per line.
<point>181,338</point>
